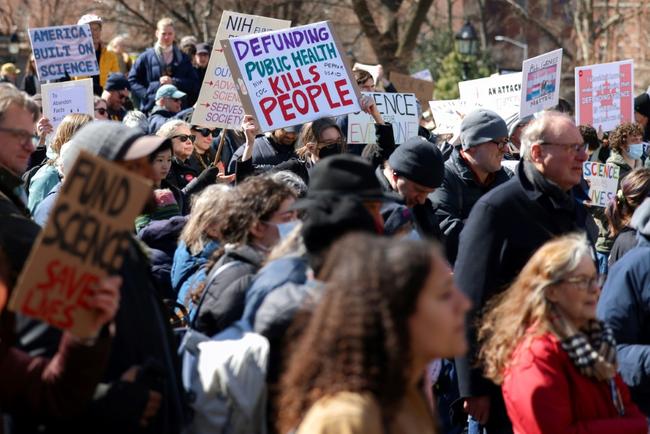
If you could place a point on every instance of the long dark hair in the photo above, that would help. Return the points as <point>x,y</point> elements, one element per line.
<point>357,340</point>
<point>635,187</point>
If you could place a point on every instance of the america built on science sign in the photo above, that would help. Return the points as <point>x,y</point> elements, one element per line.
<point>289,77</point>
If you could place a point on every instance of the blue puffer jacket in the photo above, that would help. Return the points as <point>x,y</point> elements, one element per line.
<point>185,264</point>
<point>145,74</point>
<point>625,306</point>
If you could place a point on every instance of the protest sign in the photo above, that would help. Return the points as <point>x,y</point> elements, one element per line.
<point>289,77</point>
<point>603,182</point>
<point>422,89</point>
<point>448,114</point>
<point>63,50</point>
<point>84,240</point>
<point>218,105</point>
<point>425,74</point>
<point>374,70</point>
<point>400,109</point>
<point>61,99</point>
<point>499,93</point>
<point>604,94</point>
<point>540,83</point>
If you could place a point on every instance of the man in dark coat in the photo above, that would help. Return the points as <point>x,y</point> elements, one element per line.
<point>163,64</point>
<point>414,170</point>
<point>504,229</point>
<point>470,172</point>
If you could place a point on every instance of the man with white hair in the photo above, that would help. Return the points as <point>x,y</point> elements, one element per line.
<point>504,229</point>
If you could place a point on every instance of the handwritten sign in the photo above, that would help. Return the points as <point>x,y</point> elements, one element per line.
<point>62,99</point>
<point>85,239</point>
<point>540,83</point>
<point>293,76</point>
<point>422,89</point>
<point>603,182</point>
<point>400,109</point>
<point>63,50</point>
<point>499,93</point>
<point>605,94</point>
<point>218,105</point>
<point>448,114</point>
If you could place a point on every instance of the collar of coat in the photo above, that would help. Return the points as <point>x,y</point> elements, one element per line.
<point>12,187</point>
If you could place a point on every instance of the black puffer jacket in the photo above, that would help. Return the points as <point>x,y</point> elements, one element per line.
<point>223,298</point>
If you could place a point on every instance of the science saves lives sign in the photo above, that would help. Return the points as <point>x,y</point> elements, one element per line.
<point>292,76</point>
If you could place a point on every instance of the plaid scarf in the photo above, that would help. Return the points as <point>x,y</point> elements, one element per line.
<point>591,349</point>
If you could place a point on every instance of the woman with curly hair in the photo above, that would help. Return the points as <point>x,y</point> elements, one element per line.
<point>555,362</point>
<point>358,365</point>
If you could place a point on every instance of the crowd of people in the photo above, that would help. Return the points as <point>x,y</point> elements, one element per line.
<point>290,283</point>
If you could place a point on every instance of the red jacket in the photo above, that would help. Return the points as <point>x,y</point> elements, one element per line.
<point>545,393</point>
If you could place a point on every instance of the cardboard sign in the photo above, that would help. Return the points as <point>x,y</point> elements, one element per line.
<point>63,50</point>
<point>400,109</point>
<point>374,70</point>
<point>293,76</point>
<point>62,99</point>
<point>218,105</point>
<point>85,239</point>
<point>603,182</point>
<point>540,83</point>
<point>448,114</point>
<point>499,93</point>
<point>422,89</point>
<point>604,94</point>
<point>425,74</point>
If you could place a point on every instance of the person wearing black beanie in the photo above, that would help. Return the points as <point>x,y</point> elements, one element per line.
<point>642,114</point>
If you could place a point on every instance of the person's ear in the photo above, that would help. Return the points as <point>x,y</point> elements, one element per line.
<point>257,229</point>
<point>551,294</point>
<point>536,152</point>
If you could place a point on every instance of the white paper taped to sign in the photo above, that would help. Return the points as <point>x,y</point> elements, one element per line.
<point>500,93</point>
<point>398,109</point>
<point>62,99</point>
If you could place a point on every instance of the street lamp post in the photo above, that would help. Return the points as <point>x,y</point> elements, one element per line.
<point>522,45</point>
<point>467,45</point>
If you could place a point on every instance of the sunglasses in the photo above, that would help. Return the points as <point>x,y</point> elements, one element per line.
<point>205,132</point>
<point>185,137</point>
<point>102,111</point>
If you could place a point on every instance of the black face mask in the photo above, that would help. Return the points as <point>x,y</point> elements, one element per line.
<point>329,151</point>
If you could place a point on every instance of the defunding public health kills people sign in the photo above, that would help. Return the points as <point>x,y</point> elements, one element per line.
<point>603,182</point>
<point>398,109</point>
<point>540,83</point>
<point>293,76</point>
<point>605,94</point>
<point>62,99</point>
<point>218,105</point>
<point>63,50</point>
<point>84,240</point>
<point>499,93</point>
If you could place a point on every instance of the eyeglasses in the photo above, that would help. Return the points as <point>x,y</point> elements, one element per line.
<point>185,137</point>
<point>205,132</point>
<point>102,111</point>
<point>586,282</point>
<point>572,147</point>
<point>500,145</point>
<point>21,135</point>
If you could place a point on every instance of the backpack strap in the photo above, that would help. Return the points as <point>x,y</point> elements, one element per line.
<point>214,273</point>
